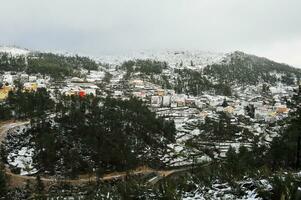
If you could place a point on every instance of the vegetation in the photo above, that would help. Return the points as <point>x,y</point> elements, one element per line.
<point>258,163</point>
<point>144,66</point>
<point>118,135</point>
<point>90,134</point>
<point>250,70</point>
<point>57,66</point>
<point>9,63</point>
<point>3,182</point>
<point>222,129</point>
<point>25,105</point>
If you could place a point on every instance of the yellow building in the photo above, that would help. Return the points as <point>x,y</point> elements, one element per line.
<point>70,93</point>
<point>160,92</point>
<point>229,109</point>
<point>282,109</point>
<point>3,95</point>
<point>4,92</point>
<point>272,114</point>
<point>30,87</point>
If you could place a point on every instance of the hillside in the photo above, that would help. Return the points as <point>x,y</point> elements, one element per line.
<point>55,65</point>
<point>14,51</point>
<point>184,70</point>
<point>248,69</point>
<point>197,73</point>
<point>219,121</point>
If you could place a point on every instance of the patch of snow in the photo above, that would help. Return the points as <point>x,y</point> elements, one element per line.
<point>23,160</point>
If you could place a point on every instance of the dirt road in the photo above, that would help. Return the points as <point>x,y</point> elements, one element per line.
<point>7,125</point>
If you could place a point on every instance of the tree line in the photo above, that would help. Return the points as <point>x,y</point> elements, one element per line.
<point>54,65</point>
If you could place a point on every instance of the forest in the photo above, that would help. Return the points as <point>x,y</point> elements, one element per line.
<point>245,70</point>
<point>55,65</point>
<point>90,134</point>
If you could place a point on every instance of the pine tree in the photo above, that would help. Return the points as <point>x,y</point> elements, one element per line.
<point>3,184</point>
<point>39,187</point>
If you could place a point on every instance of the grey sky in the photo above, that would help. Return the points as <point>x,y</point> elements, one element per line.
<point>270,28</point>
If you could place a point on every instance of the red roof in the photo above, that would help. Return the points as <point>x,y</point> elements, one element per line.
<point>82,93</point>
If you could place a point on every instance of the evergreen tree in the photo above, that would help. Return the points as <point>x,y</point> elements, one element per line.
<point>39,188</point>
<point>3,184</point>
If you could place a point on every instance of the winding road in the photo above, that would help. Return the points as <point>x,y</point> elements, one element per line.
<point>19,180</point>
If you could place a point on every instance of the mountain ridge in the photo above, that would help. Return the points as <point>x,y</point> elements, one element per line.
<point>208,55</point>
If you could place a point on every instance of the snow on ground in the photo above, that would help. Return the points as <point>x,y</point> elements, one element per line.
<point>23,160</point>
<point>14,51</point>
<point>225,191</point>
<point>191,59</point>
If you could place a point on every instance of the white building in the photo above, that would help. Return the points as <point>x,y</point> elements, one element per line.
<point>90,91</point>
<point>166,101</point>
<point>118,93</point>
<point>32,78</point>
<point>8,78</point>
<point>156,101</point>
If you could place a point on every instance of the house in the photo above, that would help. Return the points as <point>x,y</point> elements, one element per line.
<point>41,81</point>
<point>70,92</point>
<point>117,93</point>
<point>90,91</point>
<point>219,109</point>
<point>173,105</point>
<point>24,78</point>
<point>82,93</point>
<point>156,101</point>
<point>171,92</point>
<point>189,102</point>
<point>8,78</point>
<point>32,79</point>
<point>136,82</point>
<point>160,92</point>
<point>166,101</point>
<point>95,76</point>
<point>76,80</point>
<point>179,99</point>
<point>229,109</point>
<point>29,86</point>
<point>239,110</point>
<point>4,92</point>
<point>203,114</point>
<point>200,104</point>
<point>3,95</point>
<point>41,85</point>
<point>140,94</point>
<point>282,109</point>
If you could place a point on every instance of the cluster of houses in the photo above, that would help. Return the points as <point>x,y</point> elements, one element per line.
<point>83,86</point>
<point>73,86</point>
<point>8,80</point>
<point>156,96</point>
<point>79,88</point>
<point>206,104</point>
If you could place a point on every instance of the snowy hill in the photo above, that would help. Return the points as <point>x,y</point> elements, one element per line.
<point>14,51</point>
<point>191,59</point>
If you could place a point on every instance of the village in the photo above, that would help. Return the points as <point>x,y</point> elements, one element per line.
<point>185,110</point>
<point>165,102</point>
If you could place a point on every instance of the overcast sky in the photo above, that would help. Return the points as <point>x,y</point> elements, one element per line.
<point>270,28</point>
